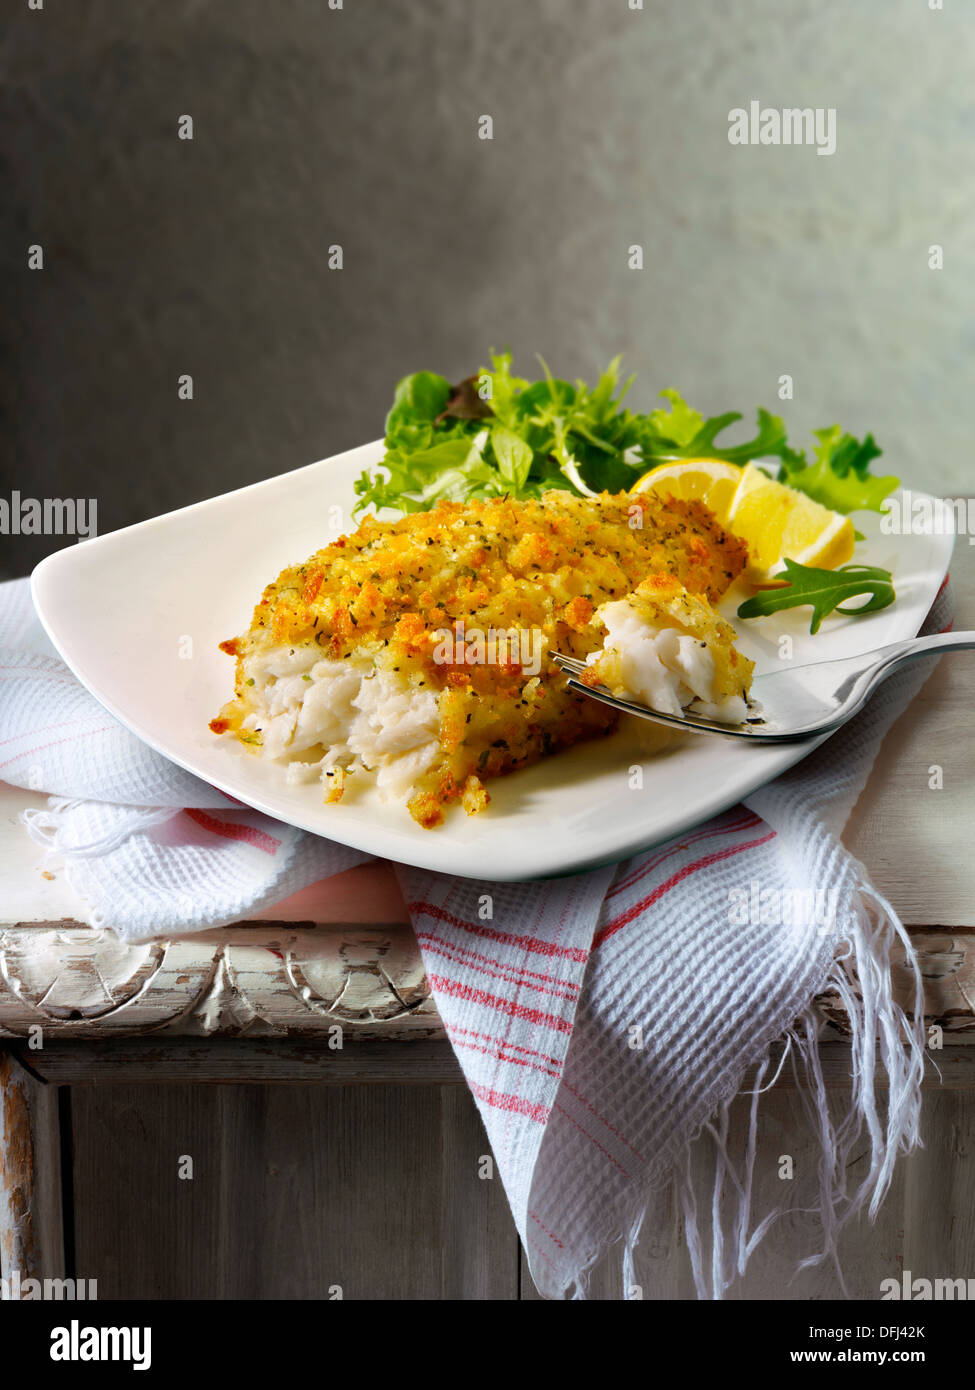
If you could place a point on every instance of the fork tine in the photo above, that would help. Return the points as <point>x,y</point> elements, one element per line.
<point>567,663</point>
<point>688,721</point>
<point>599,692</point>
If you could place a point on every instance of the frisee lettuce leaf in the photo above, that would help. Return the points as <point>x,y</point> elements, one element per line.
<point>840,475</point>
<point>497,434</point>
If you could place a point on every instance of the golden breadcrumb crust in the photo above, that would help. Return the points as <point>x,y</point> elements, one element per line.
<point>386,589</point>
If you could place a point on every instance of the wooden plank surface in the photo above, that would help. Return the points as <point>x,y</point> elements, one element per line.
<point>297,1193</point>
<point>939,1218</point>
<point>261,1061</point>
<point>479,1255</point>
<point>378,1190</point>
<point>256,1061</point>
<point>31,1228</point>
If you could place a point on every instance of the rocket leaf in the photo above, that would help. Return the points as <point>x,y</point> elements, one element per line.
<point>825,590</point>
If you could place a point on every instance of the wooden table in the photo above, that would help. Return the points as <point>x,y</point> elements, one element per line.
<point>363,1173</point>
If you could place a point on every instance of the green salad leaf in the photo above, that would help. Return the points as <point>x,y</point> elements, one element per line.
<point>514,457</point>
<point>840,476</point>
<point>495,434</point>
<point>825,590</point>
<point>683,433</point>
<point>417,401</point>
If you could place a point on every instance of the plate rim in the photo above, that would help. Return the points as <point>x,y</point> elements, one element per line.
<point>553,863</point>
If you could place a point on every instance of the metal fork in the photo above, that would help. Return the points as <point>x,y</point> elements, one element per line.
<point>795,704</point>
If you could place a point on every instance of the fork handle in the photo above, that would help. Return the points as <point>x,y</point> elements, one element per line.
<point>926,646</point>
<point>891,658</point>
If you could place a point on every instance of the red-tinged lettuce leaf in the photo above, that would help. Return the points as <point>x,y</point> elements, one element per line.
<point>465,402</point>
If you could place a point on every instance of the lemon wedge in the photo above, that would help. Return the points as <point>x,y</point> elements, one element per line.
<point>711,481</point>
<point>779,523</point>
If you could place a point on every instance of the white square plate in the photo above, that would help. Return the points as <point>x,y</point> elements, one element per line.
<point>137,615</point>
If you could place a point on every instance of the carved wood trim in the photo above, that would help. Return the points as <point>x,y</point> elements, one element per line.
<point>946,957</point>
<point>257,979</point>
<point>296,979</point>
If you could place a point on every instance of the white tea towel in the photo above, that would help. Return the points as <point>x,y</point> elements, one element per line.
<point>150,849</point>
<point>604,1021</point>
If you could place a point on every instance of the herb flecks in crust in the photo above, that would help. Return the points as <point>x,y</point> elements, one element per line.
<point>374,602</point>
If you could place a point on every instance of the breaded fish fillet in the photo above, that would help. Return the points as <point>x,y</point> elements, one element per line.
<point>417,650</point>
<point>669,649</point>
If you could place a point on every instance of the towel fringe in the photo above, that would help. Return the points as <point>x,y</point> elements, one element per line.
<point>49,827</point>
<point>881,1032</point>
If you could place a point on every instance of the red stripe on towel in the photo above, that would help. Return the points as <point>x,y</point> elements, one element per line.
<point>501,1006</point>
<point>245,834</point>
<point>500,1101</point>
<point>528,943</point>
<point>624,919</point>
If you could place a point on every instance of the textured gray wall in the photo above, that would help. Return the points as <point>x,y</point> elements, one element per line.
<point>315,126</point>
